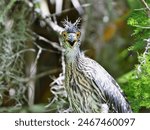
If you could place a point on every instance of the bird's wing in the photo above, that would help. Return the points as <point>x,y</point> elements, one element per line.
<point>112,92</point>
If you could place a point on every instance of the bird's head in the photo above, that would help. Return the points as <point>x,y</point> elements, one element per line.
<point>71,35</point>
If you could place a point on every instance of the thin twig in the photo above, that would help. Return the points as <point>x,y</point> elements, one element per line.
<point>27,79</point>
<point>143,27</point>
<point>23,51</point>
<point>147,7</point>
<point>144,55</point>
<point>70,9</point>
<point>145,4</point>
<point>33,69</point>
<point>53,44</point>
<point>140,9</point>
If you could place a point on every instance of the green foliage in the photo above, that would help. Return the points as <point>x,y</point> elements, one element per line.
<point>136,83</point>
<point>13,35</point>
<point>140,22</point>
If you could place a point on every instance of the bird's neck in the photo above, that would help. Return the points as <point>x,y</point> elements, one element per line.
<point>72,56</point>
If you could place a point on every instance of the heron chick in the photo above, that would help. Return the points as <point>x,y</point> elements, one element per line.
<point>90,88</point>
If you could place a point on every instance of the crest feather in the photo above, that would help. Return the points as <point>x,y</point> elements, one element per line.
<point>71,27</point>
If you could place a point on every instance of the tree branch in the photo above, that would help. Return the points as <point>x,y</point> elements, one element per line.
<point>147,7</point>
<point>145,4</point>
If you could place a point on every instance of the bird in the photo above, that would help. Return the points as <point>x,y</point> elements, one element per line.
<point>90,88</point>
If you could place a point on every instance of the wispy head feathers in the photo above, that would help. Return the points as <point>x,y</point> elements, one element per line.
<point>71,27</point>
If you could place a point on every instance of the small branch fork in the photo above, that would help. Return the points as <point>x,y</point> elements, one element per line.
<point>147,7</point>
<point>144,54</point>
<point>145,4</point>
<point>147,40</point>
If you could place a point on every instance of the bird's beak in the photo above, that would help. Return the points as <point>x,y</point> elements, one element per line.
<point>72,39</point>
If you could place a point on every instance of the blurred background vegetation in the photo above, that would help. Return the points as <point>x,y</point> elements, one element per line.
<point>115,33</point>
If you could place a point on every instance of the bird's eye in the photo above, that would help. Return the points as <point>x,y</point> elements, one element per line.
<point>78,34</point>
<point>64,34</point>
